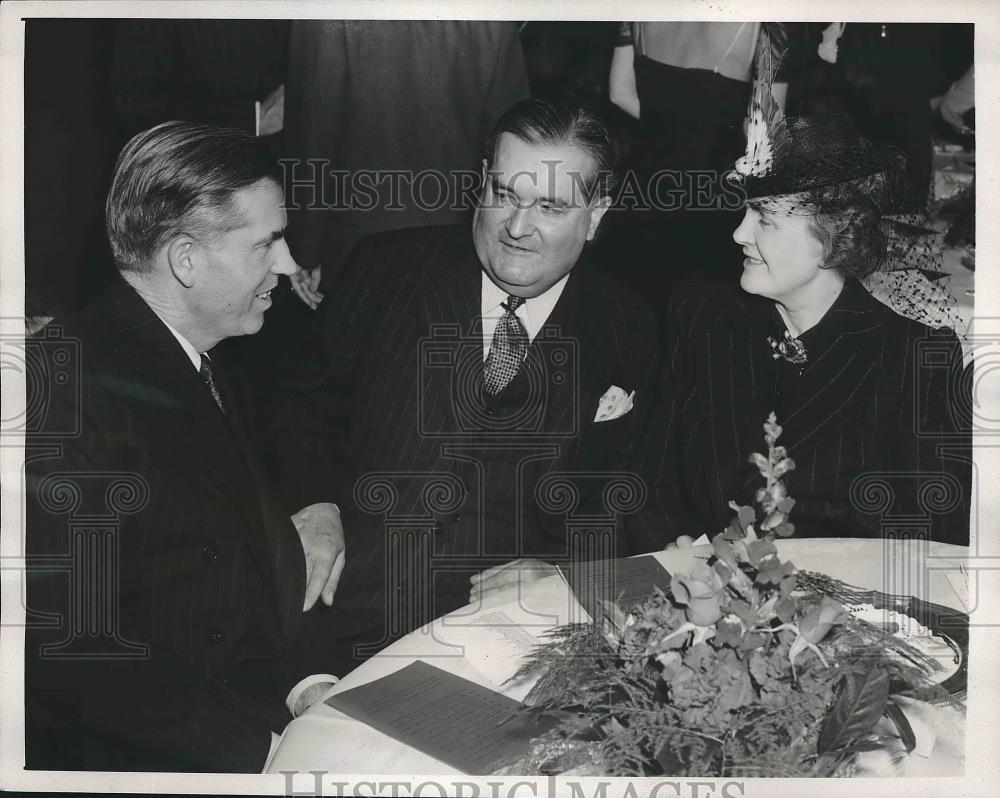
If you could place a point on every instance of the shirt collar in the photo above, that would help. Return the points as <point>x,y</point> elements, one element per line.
<point>187,346</point>
<point>534,312</point>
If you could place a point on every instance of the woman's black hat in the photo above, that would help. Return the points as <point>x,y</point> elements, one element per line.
<point>822,153</point>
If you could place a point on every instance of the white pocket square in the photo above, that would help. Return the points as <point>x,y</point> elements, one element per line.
<point>614,404</point>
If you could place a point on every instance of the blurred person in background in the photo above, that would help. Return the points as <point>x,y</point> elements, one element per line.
<point>688,84</point>
<point>887,74</point>
<point>224,72</point>
<point>381,96</point>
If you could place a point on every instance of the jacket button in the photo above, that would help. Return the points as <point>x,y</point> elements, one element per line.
<point>209,553</point>
<point>436,529</point>
<point>213,636</point>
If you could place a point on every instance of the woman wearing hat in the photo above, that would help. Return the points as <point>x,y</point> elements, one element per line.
<point>873,404</point>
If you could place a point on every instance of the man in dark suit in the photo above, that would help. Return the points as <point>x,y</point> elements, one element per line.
<point>165,584</point>
<point>474,408</point>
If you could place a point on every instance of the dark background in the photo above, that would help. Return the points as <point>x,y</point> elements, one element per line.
<point>75,126</point>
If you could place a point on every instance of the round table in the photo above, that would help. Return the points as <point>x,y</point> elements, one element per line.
<point>325,739</point>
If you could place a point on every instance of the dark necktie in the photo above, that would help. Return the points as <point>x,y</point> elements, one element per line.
<point>205,372</point>
<point>507,351</point>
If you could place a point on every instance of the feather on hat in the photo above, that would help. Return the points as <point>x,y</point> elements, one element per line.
<point>795,155</point>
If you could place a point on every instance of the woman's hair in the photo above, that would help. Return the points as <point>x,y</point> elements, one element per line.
<point>847,221</point>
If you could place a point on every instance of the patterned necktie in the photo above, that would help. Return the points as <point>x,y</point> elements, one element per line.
<point>205,372</point>
<point>507,351</point>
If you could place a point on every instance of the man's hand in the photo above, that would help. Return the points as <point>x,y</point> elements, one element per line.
<point>305,284</point>
<point>508,576</point>
<point>322,536</point>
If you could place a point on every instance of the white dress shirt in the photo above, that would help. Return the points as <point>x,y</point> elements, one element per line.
<point>533,313</point>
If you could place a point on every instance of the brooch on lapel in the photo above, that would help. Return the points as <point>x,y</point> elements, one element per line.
<point>791,349</point>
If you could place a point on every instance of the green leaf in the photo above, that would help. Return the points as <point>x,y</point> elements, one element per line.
<point>782,467</point>
<point>728,633</point>
<point>724,551</point>
<point>733,531</point>
<point>723,570</point>
<point>785,530</point>
<point>897,716</point>
<point>752,640</point>
<point>771,429</point>
<point>868,745</point>
<point>760,549</point>
<point>679,590</point>
<point>774,519</point>
<point>761,462</point>
<point>614,614</point>
<point>669,757</point>
<point>785,609</point>
<point>743,611</point>
<point>861,703</point>
<point>826,766</point>
<point>786,504</point>
<point>788,585</point>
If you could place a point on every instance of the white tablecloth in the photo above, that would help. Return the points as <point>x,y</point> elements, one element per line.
<point>325,739</point>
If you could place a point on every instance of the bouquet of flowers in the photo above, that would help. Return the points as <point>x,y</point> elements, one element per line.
<point>745,668</point>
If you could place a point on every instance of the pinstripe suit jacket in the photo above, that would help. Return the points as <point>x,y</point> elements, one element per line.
<point>204,569</point>
<point>394,431</point>
<point>875,423</point>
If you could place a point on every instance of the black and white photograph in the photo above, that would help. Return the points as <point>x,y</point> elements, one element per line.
<point>500,399</point>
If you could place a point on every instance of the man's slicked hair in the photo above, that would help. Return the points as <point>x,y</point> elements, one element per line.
<point>555,123</point>
<point>179,177</point>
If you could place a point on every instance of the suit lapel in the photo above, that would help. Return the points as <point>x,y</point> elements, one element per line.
<point>734,391</point>
<point>172,392</point>
<point>453,302</point>
<point>452,309</point>
<point>842,373</point>
<point>736,380</point>
<point>276,552</point>
<point>571,326</point>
